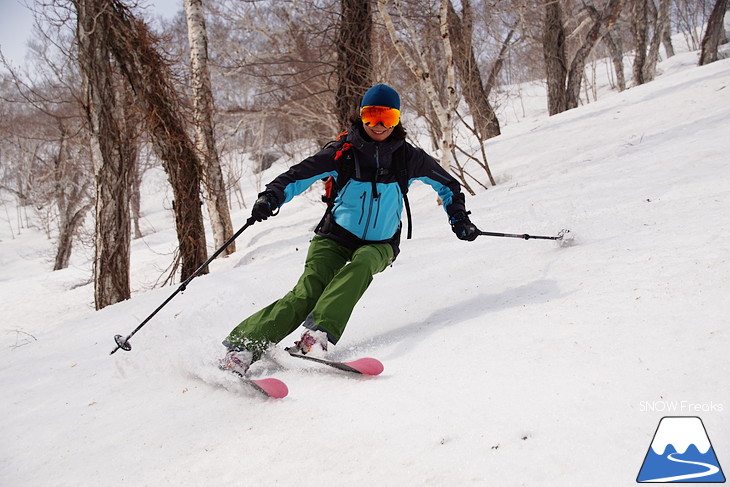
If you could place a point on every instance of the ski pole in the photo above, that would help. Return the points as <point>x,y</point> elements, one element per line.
<point>123,342</point>
<point>525,236</point>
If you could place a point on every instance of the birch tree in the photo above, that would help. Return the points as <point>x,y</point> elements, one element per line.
<point>203,110</point>
<point>417,63</point>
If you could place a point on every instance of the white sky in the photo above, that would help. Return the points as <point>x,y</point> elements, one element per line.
<point>16,22</point>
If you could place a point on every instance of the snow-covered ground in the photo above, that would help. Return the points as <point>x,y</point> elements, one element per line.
<point>507,362</point>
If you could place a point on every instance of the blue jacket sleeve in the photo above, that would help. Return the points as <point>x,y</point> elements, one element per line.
<point>302,175</point>
<point>422,167</point>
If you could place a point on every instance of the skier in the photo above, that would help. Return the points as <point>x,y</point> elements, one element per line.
<point>372,166</point>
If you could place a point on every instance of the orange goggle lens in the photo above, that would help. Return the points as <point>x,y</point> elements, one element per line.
<point>372,115</point>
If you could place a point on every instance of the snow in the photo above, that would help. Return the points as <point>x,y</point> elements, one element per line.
<point>507,362</point>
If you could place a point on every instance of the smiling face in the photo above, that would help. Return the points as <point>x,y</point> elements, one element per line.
<point>378,133</point>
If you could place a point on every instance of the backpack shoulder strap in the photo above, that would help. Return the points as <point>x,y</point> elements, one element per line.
<point>401,175</point>
<point>401,168</point>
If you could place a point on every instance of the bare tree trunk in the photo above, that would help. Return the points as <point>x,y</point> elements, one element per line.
<point>614,44</point>
<point>499,62</point>
<point>476,96</point>
<point>146,71</point>
<point>713,34</point>
<point>71,200</point>
<point>563,84</point>
<point>640,31</point>
<point>65,232</point>
<point>67,228</point>
<point>135,200</point>
<point>600,27</point>
<point>667,40</point>
<point>615,49</point>
<point>354,57</point>
<point>203,108</point>
<point>661,24</point>
<point>104,104</point>
<point>556,63</point>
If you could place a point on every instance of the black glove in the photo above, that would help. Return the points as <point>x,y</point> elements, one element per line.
<point>264,206</point>
<point>463,227</point>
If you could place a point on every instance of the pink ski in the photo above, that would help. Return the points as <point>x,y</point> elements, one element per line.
<point>273,388</point>
<point>364,366</point>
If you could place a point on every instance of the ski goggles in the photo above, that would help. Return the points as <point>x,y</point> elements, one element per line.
<point>373,115</point>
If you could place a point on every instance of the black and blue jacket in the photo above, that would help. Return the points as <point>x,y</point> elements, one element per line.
<point>369,200</point>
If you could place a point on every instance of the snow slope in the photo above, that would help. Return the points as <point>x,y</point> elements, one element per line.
<point>507,362</point>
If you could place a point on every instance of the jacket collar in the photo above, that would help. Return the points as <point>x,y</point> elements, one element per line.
<point>364,144</point>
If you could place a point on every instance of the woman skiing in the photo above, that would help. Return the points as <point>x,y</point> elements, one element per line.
<point>371,166</point>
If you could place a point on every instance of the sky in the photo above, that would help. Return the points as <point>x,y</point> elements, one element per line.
<point>16,24</point>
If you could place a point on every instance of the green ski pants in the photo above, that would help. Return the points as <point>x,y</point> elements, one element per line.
<point>328,289</point>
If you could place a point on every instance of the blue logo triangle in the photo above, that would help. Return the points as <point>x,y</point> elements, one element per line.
<point>680,452</point>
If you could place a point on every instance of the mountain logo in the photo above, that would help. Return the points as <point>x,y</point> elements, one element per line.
<point>680,452</point>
